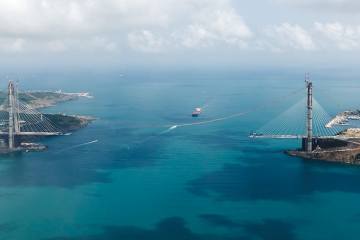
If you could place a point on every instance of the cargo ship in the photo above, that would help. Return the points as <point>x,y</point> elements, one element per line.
<point>196,112</point>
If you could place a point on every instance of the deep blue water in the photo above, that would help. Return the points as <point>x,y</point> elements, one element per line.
<point>196,182</point>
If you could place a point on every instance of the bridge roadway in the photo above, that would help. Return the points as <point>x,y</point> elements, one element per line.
<point>296,137</point>
<point>33,133</point>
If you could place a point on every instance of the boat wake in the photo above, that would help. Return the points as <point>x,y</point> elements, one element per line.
<point>211,120</point>
<point>77,146</point>
<point>169,129</point>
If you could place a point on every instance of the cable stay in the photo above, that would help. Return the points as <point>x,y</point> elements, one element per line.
<point>291,122</point>
<point>23,119</point>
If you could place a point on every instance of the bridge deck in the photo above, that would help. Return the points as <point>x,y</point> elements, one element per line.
<point>295,137</point>
<point>33,133</point>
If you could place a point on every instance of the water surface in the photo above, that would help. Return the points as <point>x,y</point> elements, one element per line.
<point>140,181</point>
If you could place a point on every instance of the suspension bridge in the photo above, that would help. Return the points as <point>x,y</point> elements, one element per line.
<point>18,120</point>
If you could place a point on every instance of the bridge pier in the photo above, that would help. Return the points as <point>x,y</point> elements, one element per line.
<point>305,146</point>
<point>16,142</point>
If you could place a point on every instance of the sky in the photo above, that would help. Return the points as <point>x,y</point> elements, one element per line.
<point>179,33</point>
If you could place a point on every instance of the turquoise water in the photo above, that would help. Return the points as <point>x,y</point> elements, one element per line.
<point>210,181</point>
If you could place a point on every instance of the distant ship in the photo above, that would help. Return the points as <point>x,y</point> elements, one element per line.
<point>196,112</point>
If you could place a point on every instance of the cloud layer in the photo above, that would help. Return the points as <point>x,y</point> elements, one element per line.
<point>338,6</point>
<point>158,26</point>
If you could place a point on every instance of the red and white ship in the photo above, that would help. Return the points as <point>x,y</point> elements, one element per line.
<point>196,112</point>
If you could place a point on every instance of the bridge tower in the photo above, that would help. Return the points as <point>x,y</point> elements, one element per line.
<point>14,126</point>
<point>309,115</point>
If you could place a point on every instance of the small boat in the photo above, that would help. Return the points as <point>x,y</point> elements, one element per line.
<point>196,112</point>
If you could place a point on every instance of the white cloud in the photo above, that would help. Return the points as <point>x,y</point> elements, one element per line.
<point>61,23</point>
<point>17,45</point>
<point>338,6</point>
<point>328,36</point>
<point>344,37</point>
<point>146,41</point>
<point>77,17</point>
<point>56,46</point>
<point>160,26</point>
<point>12,45</point>
<point>288,35</point>
<point>207,27</point>
<point>195,36</point>
<point>104,43</point>
<point>211,26</point>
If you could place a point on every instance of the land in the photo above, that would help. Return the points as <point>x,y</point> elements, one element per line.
<point>350,133</point>
<point>36,100</point>
<point>43,99</point>
<point>331,150</point>
<point>66,123</point>
<point>69,123</point>
<point>342,148</point>
<point>343,118</point>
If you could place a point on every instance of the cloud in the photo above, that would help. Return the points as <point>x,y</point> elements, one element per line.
<point>59,24</point>
<point>286,35</point>
<point>321,36</point>
<point>76,17</point>
<point>17,45</point>
<point>56,46</point>
<point>146,41</point>
<point>104,43</point>
<point>46,18</point>
<point>160,26</point>
<point>211,26</point>
<point>9,45</point>
<point>207,27</point>
<point>344,37</point>
<point>338,6</point>
<point>196,36</point>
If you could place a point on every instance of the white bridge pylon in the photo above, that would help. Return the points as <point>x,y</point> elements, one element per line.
<point>19,119</point>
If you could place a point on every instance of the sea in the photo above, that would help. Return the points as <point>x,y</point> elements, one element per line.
<point>145,169</point>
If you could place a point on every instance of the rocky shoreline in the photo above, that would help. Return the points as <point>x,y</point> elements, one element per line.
<point>69,123</point>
